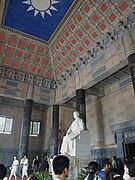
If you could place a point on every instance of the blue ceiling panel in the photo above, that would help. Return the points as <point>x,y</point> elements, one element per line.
<point>38,18</point>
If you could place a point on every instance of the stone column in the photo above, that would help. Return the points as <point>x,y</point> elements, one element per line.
<point>99,123</point>
<point>120,143</point>
<point>80,104</point>
<point>55,130</point>
<point>131,61</point>
<point>25,128</point>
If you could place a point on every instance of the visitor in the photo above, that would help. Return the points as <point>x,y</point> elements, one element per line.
<point>60,167</point>
<point>24,165</point>
<point>113,174</point>
<point>132,171</point>
<point>46,163</point>
<point>106,165</point>
<point>93,171</point>
<point>3,171</point>
<point>127,165</point>
<point>14,168</point>
<point>36,164</point>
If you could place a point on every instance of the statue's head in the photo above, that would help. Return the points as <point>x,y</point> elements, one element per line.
<point>76,114</point>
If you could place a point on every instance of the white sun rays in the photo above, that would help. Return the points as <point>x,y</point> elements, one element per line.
<point>41,6</point>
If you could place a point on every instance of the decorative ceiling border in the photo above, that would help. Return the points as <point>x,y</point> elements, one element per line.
<point>25,35</point>
<point>25,77</point>
<point>33,37</point>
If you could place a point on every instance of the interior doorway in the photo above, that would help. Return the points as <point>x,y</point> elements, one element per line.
<point>130,150</point>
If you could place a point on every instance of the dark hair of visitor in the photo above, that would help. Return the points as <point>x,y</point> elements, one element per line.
<point>32,177</point>
<point>93,167</point>
<point>106,162</point>
<point>3,171</point>
<point>132,169</point>
<point>60,162</point>
<point>113,174</point>
<point>46,158</point>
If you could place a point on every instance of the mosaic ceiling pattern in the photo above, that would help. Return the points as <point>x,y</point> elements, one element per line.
<point>87,28</point>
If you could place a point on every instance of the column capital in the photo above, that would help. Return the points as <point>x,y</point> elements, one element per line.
<point>30,91</point>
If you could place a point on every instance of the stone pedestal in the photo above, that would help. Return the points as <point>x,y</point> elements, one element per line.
<point>82,145</point>
<point>76,163</point>
<point>81,155</point>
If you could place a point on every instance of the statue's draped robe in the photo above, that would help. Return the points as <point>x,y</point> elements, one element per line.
<point>68,141</point>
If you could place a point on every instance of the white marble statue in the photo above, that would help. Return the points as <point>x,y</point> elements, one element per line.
<point>74,130</point>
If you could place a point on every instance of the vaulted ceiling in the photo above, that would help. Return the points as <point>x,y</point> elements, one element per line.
<point>45,41</point>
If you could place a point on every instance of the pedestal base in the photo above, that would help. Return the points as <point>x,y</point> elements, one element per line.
<point>82,145</point>
<point>81,156</point>
<point>76,163</point>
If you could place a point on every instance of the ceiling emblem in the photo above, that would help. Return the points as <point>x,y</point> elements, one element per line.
<point>41,6</point>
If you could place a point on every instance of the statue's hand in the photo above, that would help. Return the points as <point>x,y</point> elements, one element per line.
<point>69,132</point>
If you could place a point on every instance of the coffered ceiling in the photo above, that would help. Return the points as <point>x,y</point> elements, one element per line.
<point>46,41</point>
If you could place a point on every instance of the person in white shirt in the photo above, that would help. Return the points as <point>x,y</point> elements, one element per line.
<point>24,165</point>
<point>114,161</point>
<point>74,130</point>
<point>127,165</point>
<point>14,168</point>
<point>51,172</point>
<point>60,167</point>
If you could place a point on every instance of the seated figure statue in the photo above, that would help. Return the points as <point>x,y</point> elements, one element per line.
<point>74,130</point>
